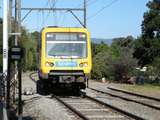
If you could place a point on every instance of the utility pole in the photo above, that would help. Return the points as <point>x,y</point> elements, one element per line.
<point>5,37</point>
<point>9,62</point>
<point>10,16</point>
<point>85,14</point>
<point>18,64</point>
<point>17,20</point>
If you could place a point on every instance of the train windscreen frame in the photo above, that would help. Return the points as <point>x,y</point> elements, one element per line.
<point>66,45</point>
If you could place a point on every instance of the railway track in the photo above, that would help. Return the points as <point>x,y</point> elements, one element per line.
<point>135,94</point>
<point>146,101</point>
<point>89,108</point>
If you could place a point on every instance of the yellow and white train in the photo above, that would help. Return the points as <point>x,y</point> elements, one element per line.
<point>64,57</point>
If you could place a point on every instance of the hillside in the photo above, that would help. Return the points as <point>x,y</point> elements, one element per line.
<point>99,40</point>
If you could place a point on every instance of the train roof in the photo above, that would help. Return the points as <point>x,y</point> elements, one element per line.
<point>58,28</point>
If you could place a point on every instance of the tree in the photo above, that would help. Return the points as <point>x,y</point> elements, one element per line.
<point>115,61</point>
<point>151,22</point>
<point>97,48</point>
<point>35,38</point>
<point>147,47</point>
<point>100,65</point>
<point>123,42</point>
<point>124,64</point>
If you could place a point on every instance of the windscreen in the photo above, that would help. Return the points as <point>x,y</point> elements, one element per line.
<point>66,45</point>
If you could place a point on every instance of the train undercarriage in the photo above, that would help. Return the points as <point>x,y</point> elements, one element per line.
<point>61,83</point>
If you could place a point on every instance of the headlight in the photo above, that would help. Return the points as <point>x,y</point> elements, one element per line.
<point>49,64</point>
<point>81,65</point>
<point>84,64</point>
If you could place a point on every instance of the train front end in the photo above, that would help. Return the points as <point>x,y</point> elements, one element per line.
<point>65,57</point>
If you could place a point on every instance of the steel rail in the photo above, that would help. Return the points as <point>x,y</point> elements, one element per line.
<point>116,108</point>
<point>71,108</point>
<point>135,94</point>
<point>125,113</point>
<point>127,99</point>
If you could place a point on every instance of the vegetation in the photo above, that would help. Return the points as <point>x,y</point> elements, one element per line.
<point>147,46</point>
<point>29,42</point>
<point>113,62</point>
<point>146,89</point>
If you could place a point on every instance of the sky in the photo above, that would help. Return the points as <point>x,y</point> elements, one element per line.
<point>105,18</point>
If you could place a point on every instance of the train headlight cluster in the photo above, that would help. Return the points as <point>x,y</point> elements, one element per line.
<point>84,64</point>
<point>49,64</point>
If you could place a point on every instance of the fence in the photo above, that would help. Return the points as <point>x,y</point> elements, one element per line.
<point>3,86</point>
<point>3,78</point>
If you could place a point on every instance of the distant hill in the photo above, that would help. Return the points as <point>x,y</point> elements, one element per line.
<point>99,40</point>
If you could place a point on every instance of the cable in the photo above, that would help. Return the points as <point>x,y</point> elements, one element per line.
<point>91,3</point>
<point>54,2</point>
<point>100,10</point>
<point>43,14</point>
<point>87,1</point>
<point>51,4</point>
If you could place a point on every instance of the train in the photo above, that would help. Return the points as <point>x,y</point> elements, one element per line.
<point>64,58</point>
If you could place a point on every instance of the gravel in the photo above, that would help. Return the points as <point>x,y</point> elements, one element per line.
<point>37,107</point>
<point>45,108</point>
<point>140,110</point>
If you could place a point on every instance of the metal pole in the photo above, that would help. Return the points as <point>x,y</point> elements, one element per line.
<point>10,15</point>
<point>85,14</point>
<point>8,75</point>
<point>8,84</point>
<point>19,16</point>
<point>5,36</point>
<point>20,90</point>
<point>18,19</point>
<point>16,22</point>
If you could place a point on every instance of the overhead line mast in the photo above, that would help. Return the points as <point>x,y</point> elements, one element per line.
<point>85,13</point>
<point>71,10</point>
<point>5,36</point>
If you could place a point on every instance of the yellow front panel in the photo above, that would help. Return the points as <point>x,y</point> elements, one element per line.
<point>44,59</point>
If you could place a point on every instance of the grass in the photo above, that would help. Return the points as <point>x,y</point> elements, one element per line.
<point>147,89</point>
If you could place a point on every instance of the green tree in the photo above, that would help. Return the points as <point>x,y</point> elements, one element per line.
<point>30,60</point>
<point>100,65</point>
<point>123,42</point>
<point>123,66</point>
<point>147,47</point>
<point>115,61</point>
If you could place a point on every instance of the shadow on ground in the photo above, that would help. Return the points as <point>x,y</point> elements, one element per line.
<point>28,118</point>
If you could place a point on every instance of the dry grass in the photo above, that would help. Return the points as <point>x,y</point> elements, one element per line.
<point>147,89</point>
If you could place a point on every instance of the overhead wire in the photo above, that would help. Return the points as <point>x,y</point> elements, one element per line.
<point>104,7</point>
<point>92,2</point>
<point>43,14</point>
<point>53,4</point>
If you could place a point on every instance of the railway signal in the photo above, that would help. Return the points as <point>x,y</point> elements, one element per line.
<point>16,53</point>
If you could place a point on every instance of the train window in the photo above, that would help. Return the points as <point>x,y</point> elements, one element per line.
<point>66,45</point>
<point>66,36</point>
